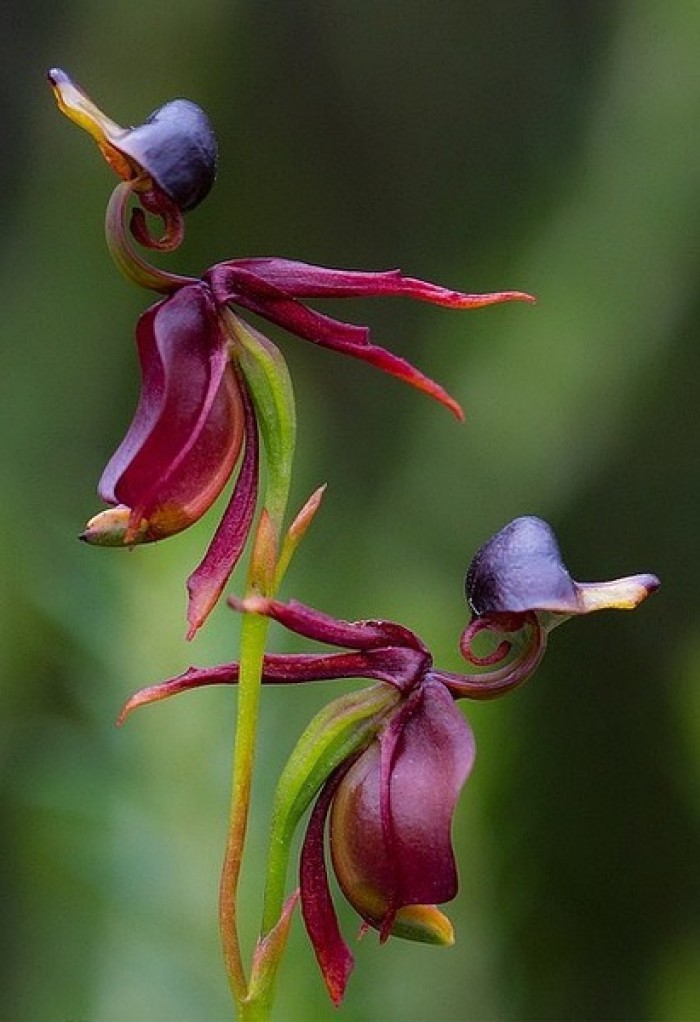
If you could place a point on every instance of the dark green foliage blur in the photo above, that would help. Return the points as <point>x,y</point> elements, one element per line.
<point>552,147</point>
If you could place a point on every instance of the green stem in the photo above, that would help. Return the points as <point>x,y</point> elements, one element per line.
<point>268,381</point>
<point>253,638</point>
<point>255,1010</point>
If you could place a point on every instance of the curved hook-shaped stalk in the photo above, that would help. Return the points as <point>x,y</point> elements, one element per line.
<point>121,226</point>
<point>489,684</point>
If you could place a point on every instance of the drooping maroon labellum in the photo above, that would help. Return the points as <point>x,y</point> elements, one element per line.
<point>391,816</point>
<point>277,289</point>
<point>187,432</point>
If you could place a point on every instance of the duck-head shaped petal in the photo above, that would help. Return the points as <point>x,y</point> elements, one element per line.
<point>520,570</point>
<point>175,147</point>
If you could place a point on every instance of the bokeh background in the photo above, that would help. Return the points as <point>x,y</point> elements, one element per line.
<point>548,146</point>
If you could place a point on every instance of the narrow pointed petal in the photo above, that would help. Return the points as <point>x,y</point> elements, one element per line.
<point>188,428</point>
<point>193,677</point>
<point>332,953</point>
<point>314,624</point>
<point>272,287</point>
<point>207,581</point>
<point>402,370</point>
<point>278,669</point>
<point>303,280</point>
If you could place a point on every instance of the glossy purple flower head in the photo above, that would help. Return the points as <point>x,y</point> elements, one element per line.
<point>520,570</point>
<point>195,425</point>
<point>388,805</point>
<point>175,147</point>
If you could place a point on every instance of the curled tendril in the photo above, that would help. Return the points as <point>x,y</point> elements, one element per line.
<point>120,230</point>
<point>490,623</point>
<point>156,202</point>
<point>489,684</point>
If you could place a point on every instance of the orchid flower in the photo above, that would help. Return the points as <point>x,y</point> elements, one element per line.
<point>198,417</point>
<point>386,765</point>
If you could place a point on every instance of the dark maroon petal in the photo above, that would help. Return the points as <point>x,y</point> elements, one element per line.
<point>332,953</point>
<point>402,370</point>
<point>521,569</point>
<point>207,581</point>
<point>239,286</point>
<point>188,427</point>
<point>431,762</point>
<point>193,677</point>
<point>314,624</point>
<point>391,818</point>
<point>278,669</point>
<point>303,280</point>
<point>386,665</point>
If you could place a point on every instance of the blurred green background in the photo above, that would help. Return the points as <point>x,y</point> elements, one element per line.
<point>548,146</point>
